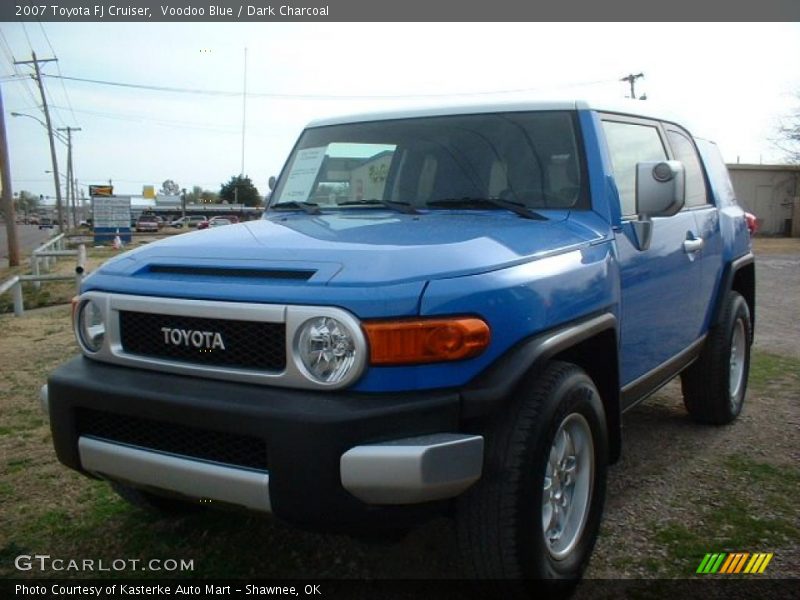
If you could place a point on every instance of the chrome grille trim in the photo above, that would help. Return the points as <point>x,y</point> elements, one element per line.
<point>292,316</point>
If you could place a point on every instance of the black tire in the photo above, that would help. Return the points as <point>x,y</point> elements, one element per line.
<point>708,392</point>
<point>500,520</point>
<point>154,503</point>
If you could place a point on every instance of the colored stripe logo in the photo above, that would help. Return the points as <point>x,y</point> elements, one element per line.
<point>734,562</point>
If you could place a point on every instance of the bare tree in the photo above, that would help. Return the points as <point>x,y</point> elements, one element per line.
<point>788,135</point>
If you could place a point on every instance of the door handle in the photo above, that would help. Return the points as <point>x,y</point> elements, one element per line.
<point>693,245</point>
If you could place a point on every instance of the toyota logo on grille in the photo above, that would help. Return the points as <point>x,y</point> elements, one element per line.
<point>202,340</point>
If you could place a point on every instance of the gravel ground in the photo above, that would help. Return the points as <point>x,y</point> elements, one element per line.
<point>778,303</point>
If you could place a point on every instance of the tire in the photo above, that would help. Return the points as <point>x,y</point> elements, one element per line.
<point>501,520</point>
<point>154,503</point>
<point>714,386</point>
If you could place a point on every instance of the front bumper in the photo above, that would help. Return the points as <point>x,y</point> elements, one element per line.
<point>334,460</point>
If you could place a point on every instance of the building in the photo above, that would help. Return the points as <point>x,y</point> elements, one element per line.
<point>772,193</point>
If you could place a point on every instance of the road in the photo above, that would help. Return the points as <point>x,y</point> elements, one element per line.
<point>30,236</point>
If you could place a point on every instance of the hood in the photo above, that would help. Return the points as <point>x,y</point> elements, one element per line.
<point>367,247</point>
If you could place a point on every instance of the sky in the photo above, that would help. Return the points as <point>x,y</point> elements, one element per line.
<point>731,82</point>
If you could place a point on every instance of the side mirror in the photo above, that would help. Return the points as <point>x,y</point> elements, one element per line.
<point>271,182</point>
<point>660,188</point>
<point>660,192</point>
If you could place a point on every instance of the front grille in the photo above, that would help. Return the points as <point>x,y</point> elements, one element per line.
<point>191,442</point>
<point>213,342</point>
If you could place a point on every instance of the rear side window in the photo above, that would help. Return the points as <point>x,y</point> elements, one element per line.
<point>684,151</point>
<point>717,172</point>
<point>628,144</point>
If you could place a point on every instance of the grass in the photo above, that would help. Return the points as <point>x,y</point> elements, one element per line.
<point>767,368</point>
<point>736,523</point>
<point>53,292</point>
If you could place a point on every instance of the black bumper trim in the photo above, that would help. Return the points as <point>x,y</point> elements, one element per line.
<point>306,432</point>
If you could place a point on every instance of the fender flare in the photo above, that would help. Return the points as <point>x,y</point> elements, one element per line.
<point>496,383</point>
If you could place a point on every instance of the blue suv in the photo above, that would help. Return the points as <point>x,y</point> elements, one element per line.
<point>441,311</point>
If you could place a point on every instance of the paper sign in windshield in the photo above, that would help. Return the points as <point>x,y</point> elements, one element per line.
<point>303,175</point>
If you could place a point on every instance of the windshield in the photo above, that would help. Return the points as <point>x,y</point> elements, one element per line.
<point>526,158</point>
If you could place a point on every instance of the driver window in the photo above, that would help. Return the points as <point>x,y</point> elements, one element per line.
<point>628,144</point>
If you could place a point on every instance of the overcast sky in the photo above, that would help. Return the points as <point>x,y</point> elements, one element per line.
<point>733,82</point>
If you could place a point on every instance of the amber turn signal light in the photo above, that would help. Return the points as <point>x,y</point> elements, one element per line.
<point>417,341</point>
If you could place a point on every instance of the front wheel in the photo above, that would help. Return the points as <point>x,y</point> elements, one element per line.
<point>536,512</point>
<point>714,386</point>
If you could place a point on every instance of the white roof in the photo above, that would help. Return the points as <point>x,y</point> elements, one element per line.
<point>639,108</point>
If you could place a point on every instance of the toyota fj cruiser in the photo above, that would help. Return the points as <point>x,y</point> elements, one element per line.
<point>446,310</point>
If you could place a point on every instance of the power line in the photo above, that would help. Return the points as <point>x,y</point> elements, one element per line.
<point>206,92</point>
<point>162,122</point>
<point>58,68</point>
<point>19,75</point>
<point>39,80</point>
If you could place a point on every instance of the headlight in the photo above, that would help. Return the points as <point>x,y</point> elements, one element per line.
<point>89,326</point>
<point>326,348</point>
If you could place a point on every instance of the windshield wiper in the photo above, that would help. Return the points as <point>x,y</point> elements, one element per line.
<point>309,207</point>
<point>403,207</point>
<point>467,202</point>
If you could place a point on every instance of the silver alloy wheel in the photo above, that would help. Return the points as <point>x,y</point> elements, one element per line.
<point>736,370</point>
<point>568,482</point>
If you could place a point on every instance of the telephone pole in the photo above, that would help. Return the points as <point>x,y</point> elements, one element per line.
<point>38,78</point>
<point>8,197</point>
<point>631,78</point>
<point>70,174</point>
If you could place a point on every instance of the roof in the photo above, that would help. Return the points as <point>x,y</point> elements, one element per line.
<point>637,108</point>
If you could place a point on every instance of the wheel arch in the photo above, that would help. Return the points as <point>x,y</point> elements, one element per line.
<point>590,343</point>
<point>739,276</point>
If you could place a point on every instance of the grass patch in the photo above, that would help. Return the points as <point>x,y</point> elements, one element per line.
<point>18,464</point>
<point>767,368</point>
<point>735,523</point>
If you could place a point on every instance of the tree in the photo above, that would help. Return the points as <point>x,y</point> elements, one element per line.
<point>170,188</point>
<point>26,203</point>
<point>788,139</point>
<point>240,190</point>
<point>193,197</point>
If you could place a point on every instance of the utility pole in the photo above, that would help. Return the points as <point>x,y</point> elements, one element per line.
<point>8,197</point>
<point>38,77</point>
<point>631,78</point>
<point>70,173</point>
<point>244,107</point>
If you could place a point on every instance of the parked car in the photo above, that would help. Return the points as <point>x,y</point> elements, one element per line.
<point>147,223</point>
<point>46,223</point>
<point>460,336</point>
<point>218,221</point>
<point>188,221</point>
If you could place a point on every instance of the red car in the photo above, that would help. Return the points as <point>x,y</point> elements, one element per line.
<point>147,223</point>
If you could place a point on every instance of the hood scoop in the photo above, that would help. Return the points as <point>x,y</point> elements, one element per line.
<point>231,272</point>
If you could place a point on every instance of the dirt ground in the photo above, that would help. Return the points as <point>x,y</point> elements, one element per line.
<point>680,490</point>
<point>778,295</point>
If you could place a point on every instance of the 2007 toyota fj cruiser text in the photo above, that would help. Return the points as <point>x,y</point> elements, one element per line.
<point>441,310</point>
